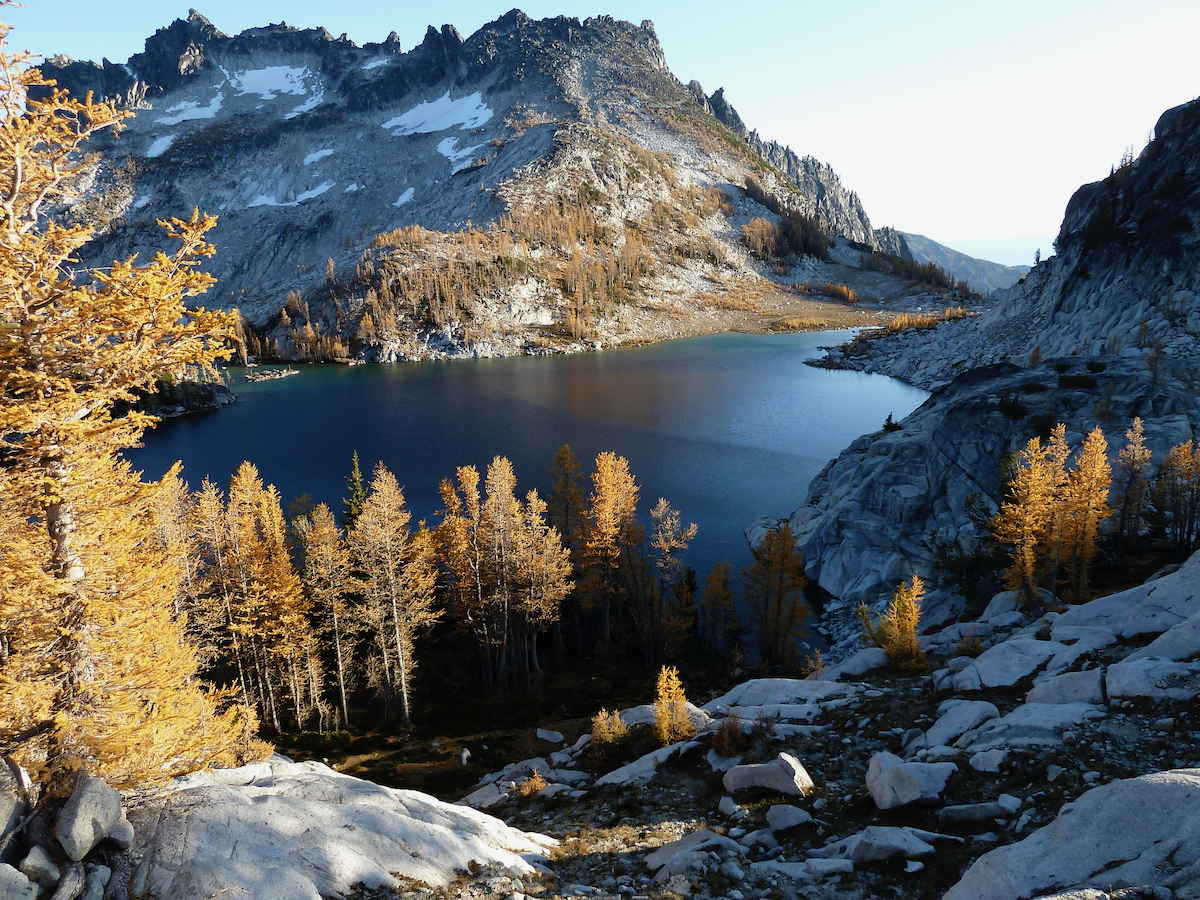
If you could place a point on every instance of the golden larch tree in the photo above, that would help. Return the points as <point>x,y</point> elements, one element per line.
<point>397,578</point>
<point>327,574</point>
<point>1024,520</point>
<point>96,674</point>
<point>1087,507</point>
<point>612,513</point>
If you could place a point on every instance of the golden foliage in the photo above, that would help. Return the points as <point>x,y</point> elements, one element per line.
<point>920,321</point>
<point>896,629</point>
<point>96,674</point>
<point>729,739</point>
<point>608,728</point>
<point>671,719</point>
<point>532,785</point>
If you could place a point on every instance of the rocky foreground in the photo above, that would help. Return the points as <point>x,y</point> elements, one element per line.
<point>1038,757</point>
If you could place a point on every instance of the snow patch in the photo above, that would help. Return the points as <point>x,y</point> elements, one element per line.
<point>270,81</point>
<point>351,188</point>
<point>317,155</point>
<point>441,114</point>
<point>459,159</point>
<point>311,103</point>
<point>142,201</point>
<point>375,64</point>
<point>405,197</point>
<point>160,145</point>
<point>267,200</point>
<point>189,109</point>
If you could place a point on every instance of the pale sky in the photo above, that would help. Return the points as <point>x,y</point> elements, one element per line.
<point>962,121</point>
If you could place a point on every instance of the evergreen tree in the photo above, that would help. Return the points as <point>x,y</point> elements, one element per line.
<point>353,503</point>
<point>774,596</point>
<point>720,629</point>
<point>1132,465</point>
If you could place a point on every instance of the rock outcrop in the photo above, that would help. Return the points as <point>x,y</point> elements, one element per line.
<point>1123,281</point>
<point>892,501</point>
<point>301,830</point>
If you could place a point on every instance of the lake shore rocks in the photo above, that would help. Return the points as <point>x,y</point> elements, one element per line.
<point>893,502</point>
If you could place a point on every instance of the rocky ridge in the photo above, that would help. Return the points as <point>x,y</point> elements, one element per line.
<point>536,187</point>
<point>895,503</point>
<point>1123,281</point>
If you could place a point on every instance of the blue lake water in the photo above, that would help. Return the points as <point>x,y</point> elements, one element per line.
<point>727,427</point>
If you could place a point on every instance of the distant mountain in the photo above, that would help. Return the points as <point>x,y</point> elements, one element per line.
<point>536,184</point>
<point>983,276</point>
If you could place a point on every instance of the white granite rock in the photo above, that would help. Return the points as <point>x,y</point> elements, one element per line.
<point>781,817</point>
<point>645,767</point>
<point>784,774</point>
<point>1150,608</point>
<point>988,760</point>
<point>893,782</point>
<point>91,813</point>
<point>1007,663</point>
<point>1034,724</point>
<point>1158,679</point>
<point>1071,687</point>
<point>38,867</point>
<point>678,856</point>
<point>760,691</point>
<point>958,720</point>
<point>877,842</point>
<point>823,868</point>
<point>645,715</point>
<point>1179,642</point>
<point>1141,832</point>
<point>308,832</point>
<point>554,737</point>
<point>14,885</point>
<point>864,660</point>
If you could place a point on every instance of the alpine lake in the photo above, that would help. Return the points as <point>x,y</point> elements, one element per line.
<point>726,427</point>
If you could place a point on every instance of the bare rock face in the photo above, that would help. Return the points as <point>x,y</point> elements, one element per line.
<point>880,511</point>
<point>1124,281</point>
<point>300,831</point>
<point>1142,832</point>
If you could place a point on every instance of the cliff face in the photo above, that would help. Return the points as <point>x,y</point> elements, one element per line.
<point>838,210</point>
<point>1124,281</point>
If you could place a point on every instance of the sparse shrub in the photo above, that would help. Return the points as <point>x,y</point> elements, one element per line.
<point>921,321</point>
<point>813,664</point>
<point>1033,387</point>
<point>1076,381</point>
<point>840,292</point>
<point>970,645</point>
<point>532,784</point>
<point>1061,367</point>
<point>729,739</point>
<point>896,630</point>
<point>608,728</point>
<point>1094,365</point>
<point>1012,408</point>
<point>671,720</point>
